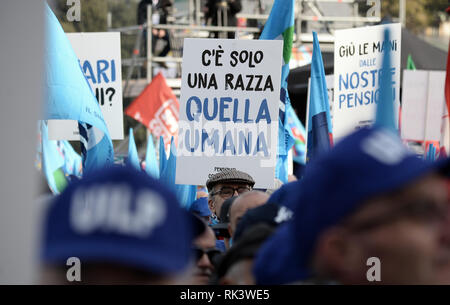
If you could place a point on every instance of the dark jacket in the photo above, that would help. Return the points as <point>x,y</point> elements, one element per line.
<point>233,7</point>
<point>142,11</point>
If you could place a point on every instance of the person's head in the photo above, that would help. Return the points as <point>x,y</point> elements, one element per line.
<point>235,268</point>
<point>200,208</point>
<point>221,228</point>
<point>400,228</point>
<point>224,215</point>
<point>226,184</point>
<point>119,225</point>
<point>205,252</point>
<point>369,202</point>
<point>270,213</point>
<point>242,204</point>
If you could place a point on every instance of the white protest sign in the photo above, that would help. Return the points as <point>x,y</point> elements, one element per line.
<point>100,59</point>
<point>230,95</point>
<point>358,57</point>
<point>423,104</point>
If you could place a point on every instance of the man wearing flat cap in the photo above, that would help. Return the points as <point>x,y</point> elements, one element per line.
<point>226,184</point>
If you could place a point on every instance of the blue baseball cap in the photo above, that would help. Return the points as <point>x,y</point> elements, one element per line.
<point>119,215</point>
<point>370,162</point>
<point>200,207</point>
<point>283,195</point>
<point>270,213</point>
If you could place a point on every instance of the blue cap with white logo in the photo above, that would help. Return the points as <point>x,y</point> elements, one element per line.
<point>119,215</point>
<point>200,207</point>
<point>369,162</point>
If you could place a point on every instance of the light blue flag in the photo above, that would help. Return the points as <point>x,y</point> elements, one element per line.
<point>280,25</point>
<point>186,194</point>
<point>52,162</point>
<point>69,96</point>
<point>385,115</point>
<point>299,133</point>
<point>319,122</point>
<point>133,158</point>
<point>162,156</point>
<point>151,164</point>
<point>167,174</point>
<point>282,166</point>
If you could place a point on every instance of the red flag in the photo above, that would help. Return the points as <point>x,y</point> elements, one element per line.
<point>445,138</point>
<point>157,108</point>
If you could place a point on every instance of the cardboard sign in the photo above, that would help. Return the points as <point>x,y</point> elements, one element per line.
<point>100,60</point>
<point>358,57</point>
<point>423,103</point>
<point>229,105</point>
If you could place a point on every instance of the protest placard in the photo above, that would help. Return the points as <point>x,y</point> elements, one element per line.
<point>100,60</point>
<point>423,103</point>
<point>358,57</point>
<point>230,95</point>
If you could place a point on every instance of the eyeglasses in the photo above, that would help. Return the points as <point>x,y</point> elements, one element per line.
<point>424,211</point>
<point>228,191</point>
<point>211,253</point>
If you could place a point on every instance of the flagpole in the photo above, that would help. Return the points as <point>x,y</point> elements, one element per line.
<point>149,49</point>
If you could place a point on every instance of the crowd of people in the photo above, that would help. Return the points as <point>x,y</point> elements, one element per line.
<point>367,211</point>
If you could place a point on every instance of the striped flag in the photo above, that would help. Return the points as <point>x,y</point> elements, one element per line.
<point>280,25</point>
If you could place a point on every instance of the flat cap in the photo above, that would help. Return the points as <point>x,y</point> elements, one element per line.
<point>229,176</point>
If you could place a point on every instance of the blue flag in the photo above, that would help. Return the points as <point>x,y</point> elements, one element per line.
<point>280,25</point>
<point>133,158</point>
<point>52,162</point>
<point>299,133</point>
<point>186,194</point>
<point>151,164</point>
<point>167,175</point>
<point>162,156</point>
<point>385,115</point>
<point>69,96</point>
<point>319,123</point>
